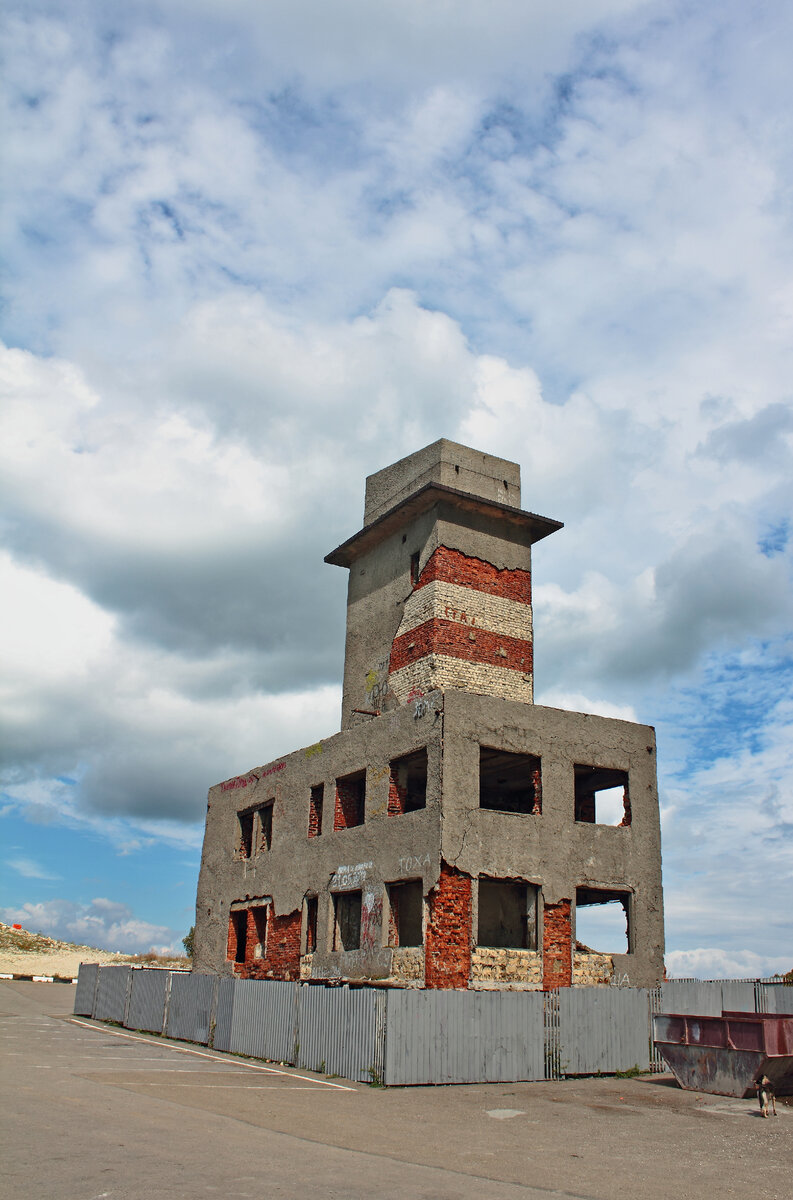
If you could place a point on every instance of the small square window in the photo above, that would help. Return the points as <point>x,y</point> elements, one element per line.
<point>601,795</point>
<point>350,801</point>
<point>509,782</point>
<point>603,920</point>
<point>507,914</point>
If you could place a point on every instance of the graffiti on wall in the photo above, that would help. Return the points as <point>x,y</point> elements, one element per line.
<point>414,862</point>
<point>350,877</point>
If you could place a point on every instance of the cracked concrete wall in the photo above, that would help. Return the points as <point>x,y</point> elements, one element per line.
<point>552,849</point>
<point>382,850</point>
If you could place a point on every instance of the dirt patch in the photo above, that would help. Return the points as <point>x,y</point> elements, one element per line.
<point>26,953</point>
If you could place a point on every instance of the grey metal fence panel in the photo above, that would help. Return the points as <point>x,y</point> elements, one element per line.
<point>111,994</point>
<point>340,1031</point>
<point>604,1029</point>
<point>190,1007</point>
<point>263,1019</point>
<point>463,1037</point>
<point>86,989</point>
<point>771,998</point>
<point>737,995</point>
<point>221,1039</point>
<point>146,1008</point>
<point>691,996</point>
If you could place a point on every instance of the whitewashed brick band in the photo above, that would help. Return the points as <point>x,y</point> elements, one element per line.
<point>441,671</point>
<point>466,606</point>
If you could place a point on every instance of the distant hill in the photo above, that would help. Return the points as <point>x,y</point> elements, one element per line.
<point>26,953</point>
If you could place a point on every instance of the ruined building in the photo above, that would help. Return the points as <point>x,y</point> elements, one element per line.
<point>453,834</point>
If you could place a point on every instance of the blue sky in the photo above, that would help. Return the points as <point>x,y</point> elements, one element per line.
<point>254,253</point>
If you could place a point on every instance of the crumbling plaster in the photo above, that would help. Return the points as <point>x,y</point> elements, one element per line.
<point>553,850</point>
<point>385,848</point>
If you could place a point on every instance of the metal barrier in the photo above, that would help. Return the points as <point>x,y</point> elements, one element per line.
<point>413,1036</point>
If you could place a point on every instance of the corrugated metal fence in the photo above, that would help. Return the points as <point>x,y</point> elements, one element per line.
<point>406,1036</point>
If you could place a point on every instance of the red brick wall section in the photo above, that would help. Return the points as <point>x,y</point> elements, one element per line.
<point>451,566</point>
<point>557,950</point>
<point>438,636</point>
<point>231,944</point>
<point>349,805</point>
<point>282,957</point>
<point>448,936</point>
<point>627,813</point>
<point>396,795</point>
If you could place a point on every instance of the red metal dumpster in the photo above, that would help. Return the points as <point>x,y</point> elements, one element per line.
<point>727,1054</point>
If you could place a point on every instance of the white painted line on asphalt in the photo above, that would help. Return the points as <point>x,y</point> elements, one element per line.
<point>132,1037</point>
<point>244,1087</point>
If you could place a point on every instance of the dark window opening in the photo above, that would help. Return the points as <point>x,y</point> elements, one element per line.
<point>415,560</point>
<point>246,834</point>
<point>350,801</point>
<point>239,935</point>
<point>347,926</point>
<point>407,791</point>
<point>406,913</point>
<point>266,826</point>
<point>602,921</point>
<point>507,914</point>
<point>312,909</point>
<point>509,782</point>
<point>315,810</point>
<point>601,795</point>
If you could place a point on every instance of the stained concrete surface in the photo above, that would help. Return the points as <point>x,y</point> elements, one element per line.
<point>90,1111</point>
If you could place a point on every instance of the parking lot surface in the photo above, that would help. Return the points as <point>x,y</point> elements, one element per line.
<point>91,1111</point>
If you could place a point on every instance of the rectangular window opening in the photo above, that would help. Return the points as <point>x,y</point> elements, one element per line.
<point>602,921</point>
<point>315,810</point>
<point>347,924</point>
<point>239,935</point>
<point>509,782</point>
<point>312,909</point>
<point>407,790</point>
<point>601,795</point>
<point>266,825</point>
<point>507,914</point>
<point>246,834</point>
<point>406,913</point>
<point>350,801</point>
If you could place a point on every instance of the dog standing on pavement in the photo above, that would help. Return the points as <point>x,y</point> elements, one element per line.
<point>765,1096</point>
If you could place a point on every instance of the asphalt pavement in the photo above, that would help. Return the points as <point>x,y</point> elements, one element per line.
<point>92,1112</point>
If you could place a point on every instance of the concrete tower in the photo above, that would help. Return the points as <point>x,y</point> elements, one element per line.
<point>439,592</point>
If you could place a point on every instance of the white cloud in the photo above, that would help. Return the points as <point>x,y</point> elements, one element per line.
<point>102,924</point>
<point>715,963</point>
<point>29,869</point>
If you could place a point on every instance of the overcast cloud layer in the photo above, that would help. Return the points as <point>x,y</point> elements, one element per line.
<point>258,252</point>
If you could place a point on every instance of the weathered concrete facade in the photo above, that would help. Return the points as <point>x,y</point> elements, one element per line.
<point>449,834</point>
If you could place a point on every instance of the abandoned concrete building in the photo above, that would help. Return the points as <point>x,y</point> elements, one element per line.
<point>453,834</point>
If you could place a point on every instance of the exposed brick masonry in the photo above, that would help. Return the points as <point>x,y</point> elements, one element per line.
<point>396,795</point>
<point>557,950</point>
<point>439,636</point>
<point>448,934</point>
<point>349,803</point>
<point>315,810</point>
<point>451,566</point>
<point>281,957</point>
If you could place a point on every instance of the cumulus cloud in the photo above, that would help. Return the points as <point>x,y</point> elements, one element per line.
<point>714,963</point>
<point>102,924</point>
<point>253,258</point>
